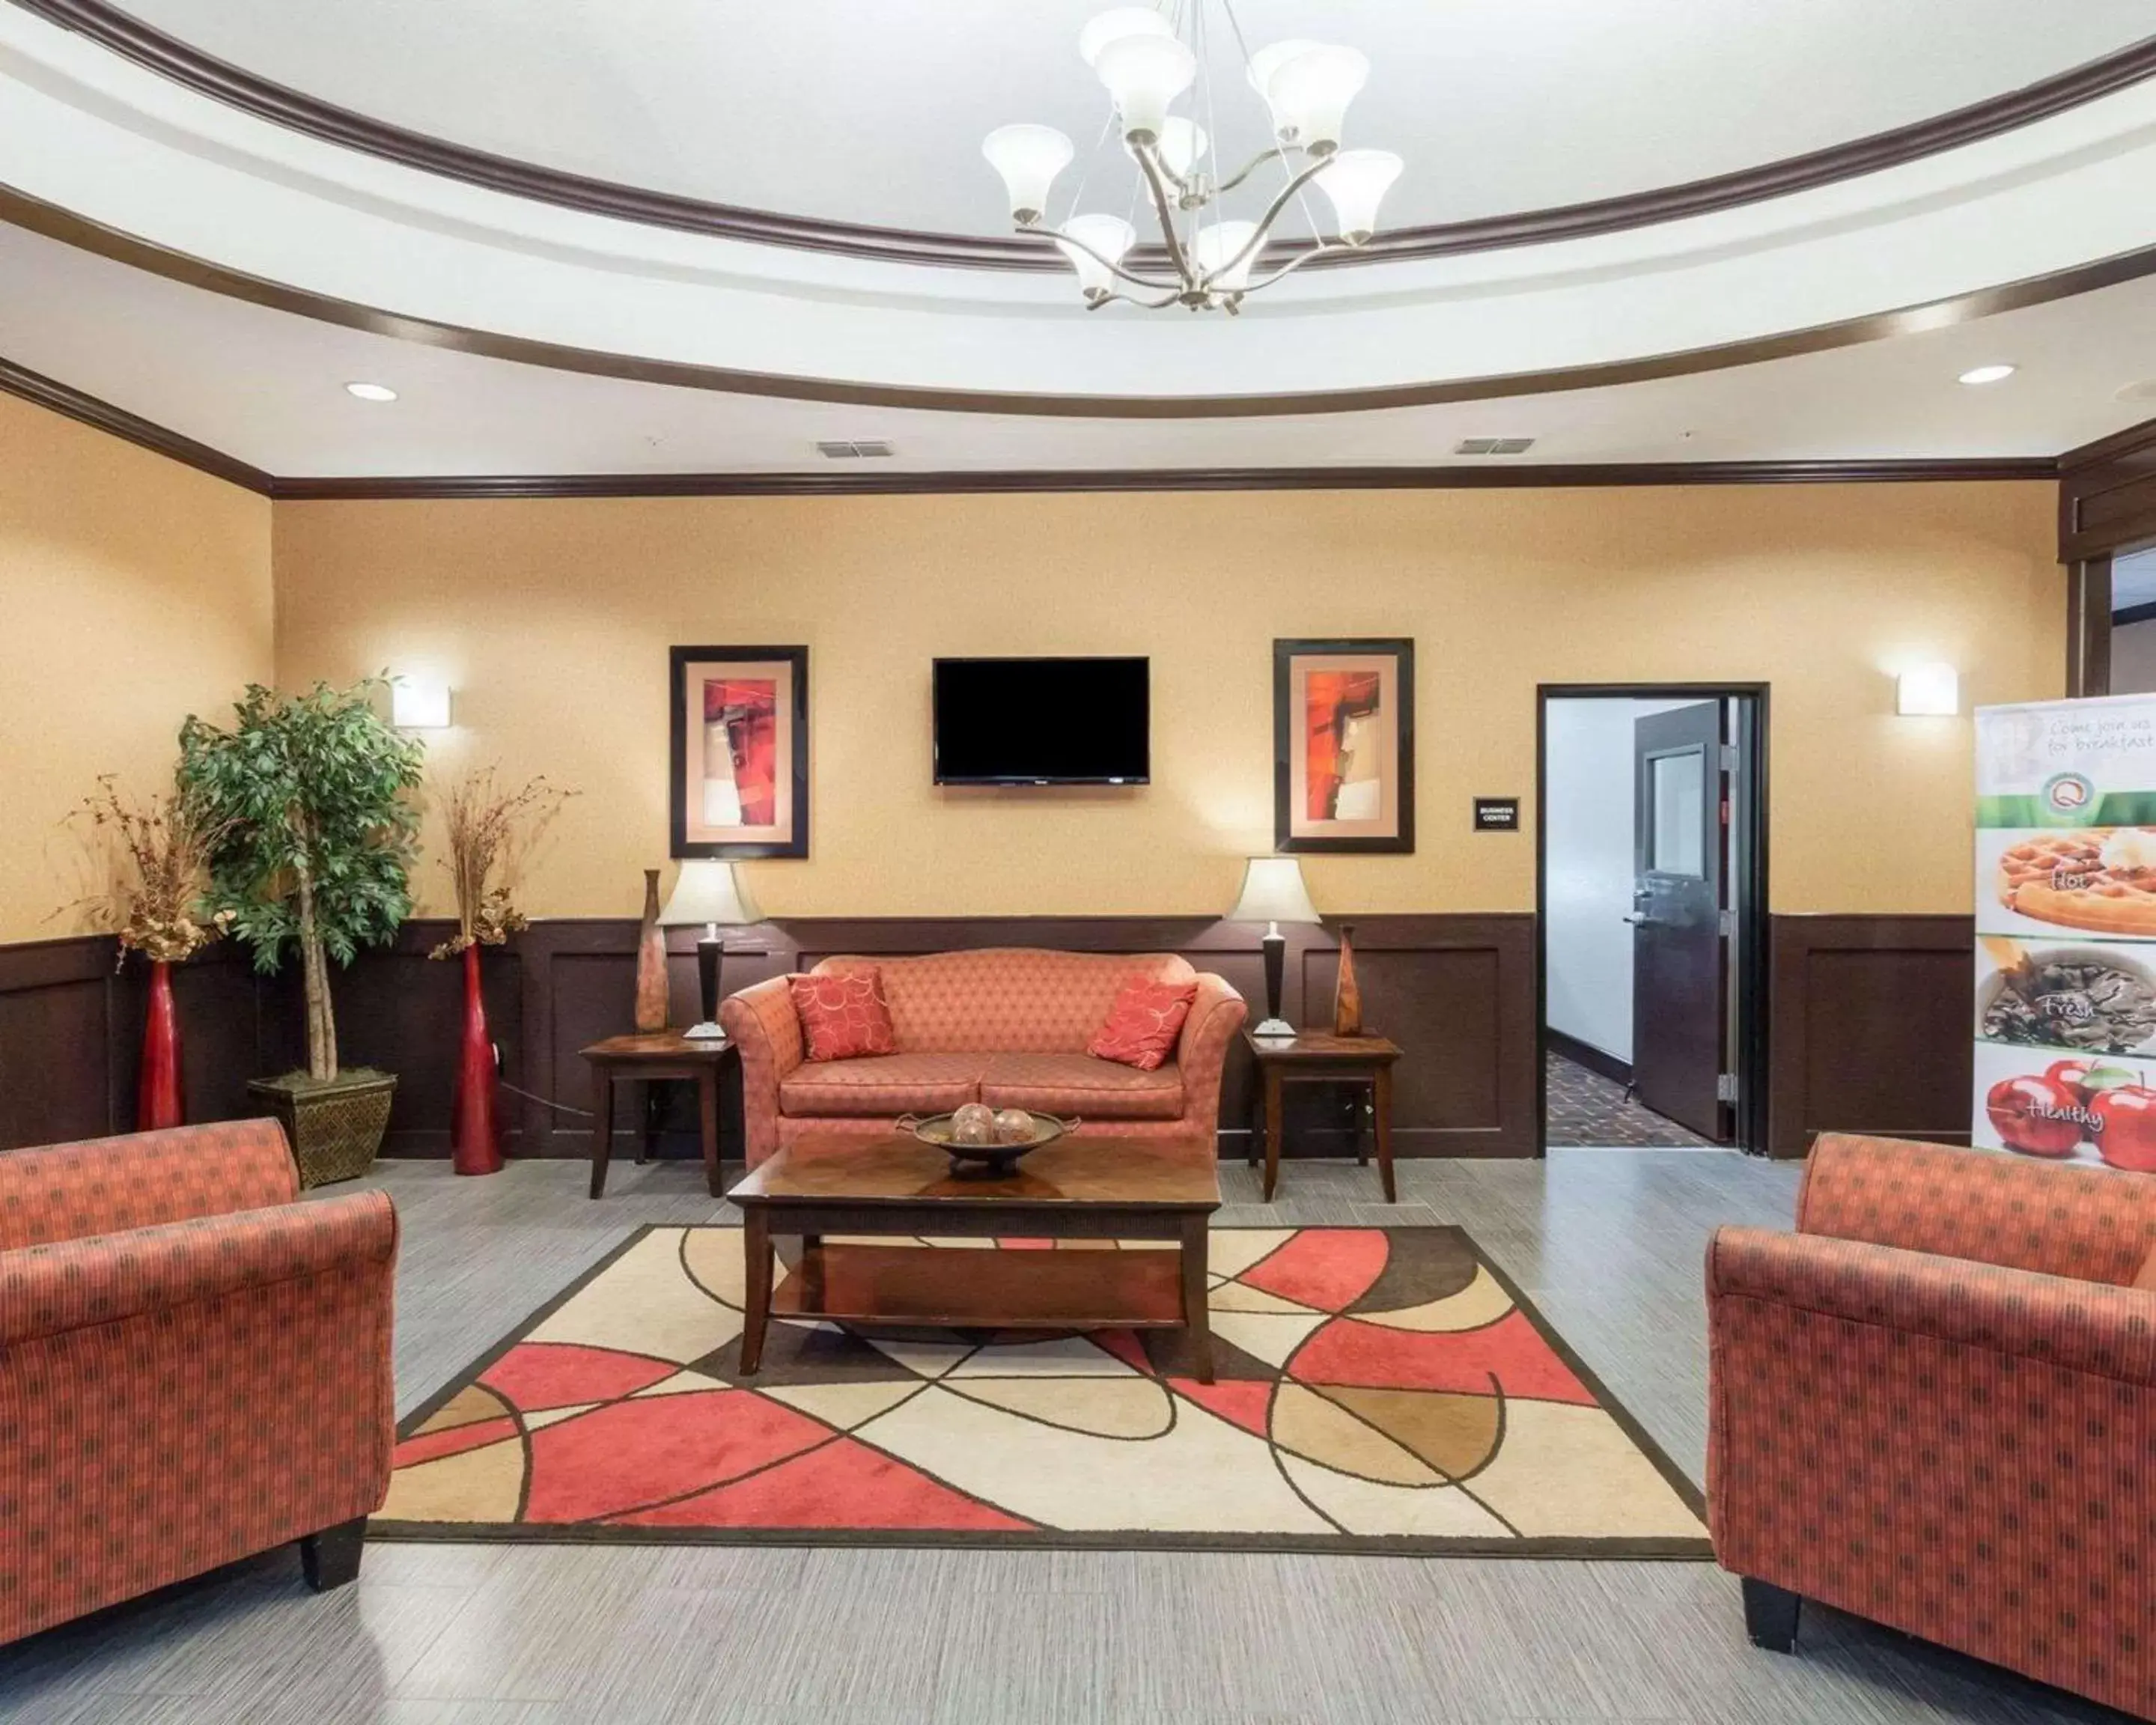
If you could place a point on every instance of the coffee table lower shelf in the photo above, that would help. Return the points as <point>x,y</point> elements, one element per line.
<point>957,1287</point>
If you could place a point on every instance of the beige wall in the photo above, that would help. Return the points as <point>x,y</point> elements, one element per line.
<point>132,591</point>
<point>551,620</point>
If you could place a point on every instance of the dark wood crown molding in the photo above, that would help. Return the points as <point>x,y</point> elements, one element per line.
<point>2108,494</point>
<point>1549,476</point>
<point>281,105</point>
<point>27,385</point>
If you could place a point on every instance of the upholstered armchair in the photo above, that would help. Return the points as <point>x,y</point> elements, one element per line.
<point>194,1366</point>
<point>1004,1026</point>
<point>1934,1406</point>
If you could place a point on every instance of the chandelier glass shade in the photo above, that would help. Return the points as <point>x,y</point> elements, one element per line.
<point>1205,259</point>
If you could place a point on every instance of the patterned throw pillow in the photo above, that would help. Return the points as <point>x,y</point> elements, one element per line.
<point>844,1016</point>
<point>1143,1024</point>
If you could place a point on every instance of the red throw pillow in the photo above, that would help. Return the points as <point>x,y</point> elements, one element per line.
<point>1143,1024</point>
<point>843,1015</point>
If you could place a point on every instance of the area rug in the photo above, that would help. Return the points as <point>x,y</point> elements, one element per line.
<point>1378,1389</point>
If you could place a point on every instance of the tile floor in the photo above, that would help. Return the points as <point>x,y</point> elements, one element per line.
<point>1608,1243</point>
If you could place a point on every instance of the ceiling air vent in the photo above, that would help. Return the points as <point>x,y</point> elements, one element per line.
<point>854,449</point>
<point>1493,446</point>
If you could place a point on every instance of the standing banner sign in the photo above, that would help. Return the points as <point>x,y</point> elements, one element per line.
<point>2065,930</point>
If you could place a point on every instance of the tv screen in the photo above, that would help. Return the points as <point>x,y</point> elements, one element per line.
<point>1043,721</point>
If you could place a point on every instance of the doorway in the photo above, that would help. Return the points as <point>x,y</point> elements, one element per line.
<point>1650,875</point>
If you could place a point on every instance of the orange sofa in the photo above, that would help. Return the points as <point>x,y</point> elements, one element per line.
<point>1003,1025</point>
<point>1934,1405</point>
<point>194,1366</point>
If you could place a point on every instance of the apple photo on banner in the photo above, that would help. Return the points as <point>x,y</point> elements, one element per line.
<point>2053,1104</point>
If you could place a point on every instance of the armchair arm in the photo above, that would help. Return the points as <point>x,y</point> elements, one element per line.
<point>105,1185</point>
<point>2055,1320</point>
<point>1215,1015</point>
<point>46,1290</point>
<point>761,1023</point>
<point>2092,1223</point>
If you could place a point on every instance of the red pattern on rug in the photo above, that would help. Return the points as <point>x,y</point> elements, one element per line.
<point>1329,1268</point>
<point>539,1375</point>
<point>630,1454</point>
<point>842,1484</point>
<point>1508,1354</point>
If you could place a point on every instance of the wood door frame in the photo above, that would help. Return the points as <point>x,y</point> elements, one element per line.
<point>1747,891</point>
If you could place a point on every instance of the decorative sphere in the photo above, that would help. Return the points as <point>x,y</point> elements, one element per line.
<point>1013,1126</point>
<point>974,1123</point>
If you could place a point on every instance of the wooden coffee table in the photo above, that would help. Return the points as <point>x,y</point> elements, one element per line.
<point>1078,1187</point>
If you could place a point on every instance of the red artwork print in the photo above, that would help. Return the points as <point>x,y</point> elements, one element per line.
<point>1338,708</point>
<point>748,707</point>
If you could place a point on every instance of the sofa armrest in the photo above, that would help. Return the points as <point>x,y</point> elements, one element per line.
<point>761,1023</point>
<point>107,1185</point>
<point>74,1285</point>
<point>1201,1052</point>
<point>2077,1325</point>
<point>1983,1206</point>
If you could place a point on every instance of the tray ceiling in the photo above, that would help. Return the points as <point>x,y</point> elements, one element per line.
<point>872,113</point>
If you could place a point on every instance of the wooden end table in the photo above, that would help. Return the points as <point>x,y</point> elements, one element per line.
<point>646,1056</point>
<point>1076,1188</point>
<point>1320,1057</point>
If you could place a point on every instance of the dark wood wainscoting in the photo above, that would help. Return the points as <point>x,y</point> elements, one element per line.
<point>1871,1031</point>
<point>1457,991</point>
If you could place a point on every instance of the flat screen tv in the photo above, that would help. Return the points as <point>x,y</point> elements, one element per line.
<point>1043,721</point>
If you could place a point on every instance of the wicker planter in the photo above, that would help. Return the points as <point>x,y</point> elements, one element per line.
<point>335,1128</point>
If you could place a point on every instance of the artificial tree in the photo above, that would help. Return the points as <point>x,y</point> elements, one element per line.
<point>312,795</point>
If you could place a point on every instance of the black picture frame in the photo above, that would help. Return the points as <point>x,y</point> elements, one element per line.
<point>1286,839</point>
<point>794,843</point>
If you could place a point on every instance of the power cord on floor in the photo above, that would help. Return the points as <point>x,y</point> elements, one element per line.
<point>543,1102</point>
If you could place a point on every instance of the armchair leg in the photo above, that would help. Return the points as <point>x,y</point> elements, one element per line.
<point>330,1558</point>
<point>1770,1615</point>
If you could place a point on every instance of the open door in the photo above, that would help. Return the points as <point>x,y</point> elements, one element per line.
<point>1680,892</point>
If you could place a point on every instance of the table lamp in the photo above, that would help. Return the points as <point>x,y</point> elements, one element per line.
<point>708,891</point>
<point>1273,893</point>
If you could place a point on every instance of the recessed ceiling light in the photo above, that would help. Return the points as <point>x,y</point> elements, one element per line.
<point>2142,389</point>
<point>371,392</point>
<point>1986,374</point>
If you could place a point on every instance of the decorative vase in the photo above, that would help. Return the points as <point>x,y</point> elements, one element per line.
<point>157,1100</point>
<point>1348,992</point>
<point>474,1142</point>
<point>651,960</point>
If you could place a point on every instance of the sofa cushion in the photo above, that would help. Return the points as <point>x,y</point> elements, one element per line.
<point>1078,1084</point>
<point>1016,998</point>
<point>1142,1027</point>
<point>2147,1278</point>
<point>843,1017</point>
<point>882,1085</point>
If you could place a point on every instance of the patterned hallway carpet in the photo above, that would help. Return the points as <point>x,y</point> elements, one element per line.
<point>1587,1108</point>
<point>1380,1389</point>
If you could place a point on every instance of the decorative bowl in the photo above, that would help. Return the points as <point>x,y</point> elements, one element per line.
<point>989,1161</point>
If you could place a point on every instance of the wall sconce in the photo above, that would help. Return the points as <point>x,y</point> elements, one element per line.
<point>1928,692</point>
<point>418,706</point>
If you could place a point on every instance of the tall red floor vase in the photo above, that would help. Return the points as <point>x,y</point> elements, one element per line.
<point>157,1100</point>
<point>474,1144</point>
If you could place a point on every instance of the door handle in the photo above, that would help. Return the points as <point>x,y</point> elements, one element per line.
<point>1638,920</point>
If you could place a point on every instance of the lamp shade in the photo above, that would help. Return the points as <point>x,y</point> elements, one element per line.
<point>708,891</point>
<point>1270,58</point>
<point>1355,182</point>
<point>1112,26</point>
<point>1143,75</point>
<point>1309,93</point>
<point>1928,692</point>
<point>1182,145</point>
<point>1225,255</point>
<point>1108,236</point>
<point>1273,892</point>
<point>1029,158</point>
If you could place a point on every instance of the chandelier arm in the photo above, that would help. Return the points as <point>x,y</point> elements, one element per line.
<point>1323,249</point>
<point>1161,304</point>
<point>1280,152</point>
<point>1102,260</point>
<point>1264,227</point>
<point>1176,255</point>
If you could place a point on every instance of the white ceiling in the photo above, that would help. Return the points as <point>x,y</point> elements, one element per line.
<point>872,113</point>
<point>265,386</point>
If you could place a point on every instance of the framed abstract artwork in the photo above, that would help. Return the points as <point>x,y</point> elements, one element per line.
<point>1343,745</point>
<point>740,751</point>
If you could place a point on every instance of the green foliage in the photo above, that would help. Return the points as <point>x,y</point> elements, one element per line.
<point>314,788</point>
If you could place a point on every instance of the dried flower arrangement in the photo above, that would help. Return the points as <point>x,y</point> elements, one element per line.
<point>490,831</point>
<point>155,855</point>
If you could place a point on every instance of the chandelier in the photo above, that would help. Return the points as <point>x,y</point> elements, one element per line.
<point>1147,66</point>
